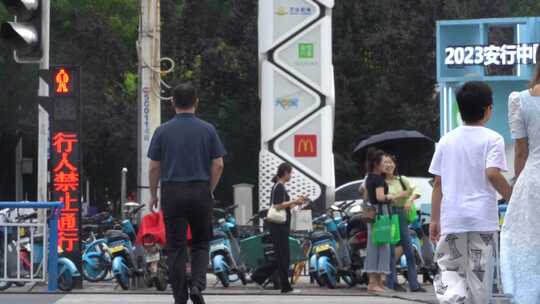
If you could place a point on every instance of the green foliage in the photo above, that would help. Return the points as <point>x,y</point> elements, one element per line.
<point>525,8</point>
<point>3,13</point>
<point>130,84</point>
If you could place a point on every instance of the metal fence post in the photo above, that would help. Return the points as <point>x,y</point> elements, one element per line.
<point>53,251</point>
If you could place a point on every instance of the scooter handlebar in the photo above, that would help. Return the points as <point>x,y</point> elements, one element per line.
<point>136,210</point>
<point>27,216</point>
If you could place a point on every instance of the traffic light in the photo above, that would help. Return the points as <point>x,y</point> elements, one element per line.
<point>26,32</point>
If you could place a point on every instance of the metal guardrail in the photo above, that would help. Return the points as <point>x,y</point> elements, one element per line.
<point>47,227</point>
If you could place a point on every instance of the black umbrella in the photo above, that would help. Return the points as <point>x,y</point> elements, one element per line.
<point>412,149</point>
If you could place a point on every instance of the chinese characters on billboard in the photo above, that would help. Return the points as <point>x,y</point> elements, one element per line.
<point>66,183</point>
<point>507,54</point>
<point>65,154</point>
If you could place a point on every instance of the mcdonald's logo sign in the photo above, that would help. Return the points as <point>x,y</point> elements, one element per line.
<point>305,146</point>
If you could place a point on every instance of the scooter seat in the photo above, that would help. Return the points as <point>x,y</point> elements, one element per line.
<point>89,228</point>
<point>219,235</point>
<point>318,236</point>
<point>116,235</point>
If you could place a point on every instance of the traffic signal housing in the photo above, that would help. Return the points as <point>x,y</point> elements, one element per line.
<point>25,33</point>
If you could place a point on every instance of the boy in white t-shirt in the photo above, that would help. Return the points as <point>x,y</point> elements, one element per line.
<point>467,165</point>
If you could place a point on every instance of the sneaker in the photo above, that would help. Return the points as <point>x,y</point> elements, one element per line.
<point>196,296</point>
<point>294,291</point>
<point>419,289</point>
<point>399,288</point>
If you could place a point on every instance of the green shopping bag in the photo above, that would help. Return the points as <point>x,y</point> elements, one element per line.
<point>412,215</point>
<point>381,232</point>
<point>396,236</point>
<point>385,230</point>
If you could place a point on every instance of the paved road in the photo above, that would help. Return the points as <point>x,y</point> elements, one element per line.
<point>108,292</point>
<point>167,299</point>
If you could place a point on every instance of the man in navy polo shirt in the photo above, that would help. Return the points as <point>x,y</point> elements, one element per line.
<point>187,155</point>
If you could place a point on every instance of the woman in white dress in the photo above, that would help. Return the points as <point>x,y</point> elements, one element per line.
<point>520,236</point>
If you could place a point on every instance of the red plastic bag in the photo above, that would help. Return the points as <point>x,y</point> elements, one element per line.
<point>153,224</point>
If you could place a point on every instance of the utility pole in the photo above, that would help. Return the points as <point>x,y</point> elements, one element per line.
<point>149,91</point>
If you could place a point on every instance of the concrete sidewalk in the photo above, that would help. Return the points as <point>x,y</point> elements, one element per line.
<point>238,293</point>
<point>167,299</point>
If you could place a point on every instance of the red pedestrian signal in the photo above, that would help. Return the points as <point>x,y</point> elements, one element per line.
<point>62,80</point>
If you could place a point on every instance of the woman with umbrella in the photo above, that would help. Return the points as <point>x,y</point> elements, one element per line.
<point>401,186</point>
<point>411,146</point>
<point>377,263</point>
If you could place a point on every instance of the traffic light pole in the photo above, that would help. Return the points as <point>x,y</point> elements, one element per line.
<point>43,90</point>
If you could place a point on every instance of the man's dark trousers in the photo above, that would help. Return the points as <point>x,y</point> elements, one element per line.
<point>187,203</point>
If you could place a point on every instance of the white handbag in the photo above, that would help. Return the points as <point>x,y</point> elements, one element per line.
<point>274,215</point>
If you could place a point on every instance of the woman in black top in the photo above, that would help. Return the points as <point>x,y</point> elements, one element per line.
<point>280,232</point>
<point>377,263</point>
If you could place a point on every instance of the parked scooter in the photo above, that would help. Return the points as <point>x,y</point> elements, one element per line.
<point>423,249</point>
<point>357,232</point>
<point>151,235</point>
<point>30,255</point>
<point>127,260</point>
<point>330,259</point>
<point>225,248</point>
<point>96,258</point>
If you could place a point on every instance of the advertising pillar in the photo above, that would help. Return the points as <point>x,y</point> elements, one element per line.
<point>297,95</point>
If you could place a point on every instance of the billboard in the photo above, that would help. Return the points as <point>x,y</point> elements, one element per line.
<point>297,95</point>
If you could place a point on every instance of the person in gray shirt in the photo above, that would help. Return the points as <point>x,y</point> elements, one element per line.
<point>186,154</point>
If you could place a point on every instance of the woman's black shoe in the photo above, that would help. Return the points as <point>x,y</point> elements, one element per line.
<point>419,289</point>
<point>288,290</point>
<point>399,288</point>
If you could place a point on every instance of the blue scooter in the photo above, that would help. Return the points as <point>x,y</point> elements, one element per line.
<point>30,256</point>
<point>96,258</point>
<point>423,249</point>
<point>127,260</point>
<point>225,248</point>
<point>330,260</point>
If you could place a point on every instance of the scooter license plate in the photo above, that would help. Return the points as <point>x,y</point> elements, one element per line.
<point>117,249</point>
<point>322,248</point>
<point>152,258</point>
